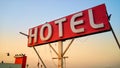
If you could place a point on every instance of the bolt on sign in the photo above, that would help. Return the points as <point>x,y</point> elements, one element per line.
<point>90,21</point>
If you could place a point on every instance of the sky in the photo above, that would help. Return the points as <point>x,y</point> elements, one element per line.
<point>94,51</point>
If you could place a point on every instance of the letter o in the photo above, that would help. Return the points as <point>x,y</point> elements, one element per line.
<point>42,32</point>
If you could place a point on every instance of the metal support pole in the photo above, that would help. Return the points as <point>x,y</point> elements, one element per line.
<point>115,37</point>
<point>109,16</point>
<point>23,34</point>
<point>68,47</point>
<point>39,57</point>
<point>53,49</point>
<point>35,50</point>
<point>60,52</point>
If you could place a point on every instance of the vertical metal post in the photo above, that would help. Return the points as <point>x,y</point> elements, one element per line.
<point>60,56</point>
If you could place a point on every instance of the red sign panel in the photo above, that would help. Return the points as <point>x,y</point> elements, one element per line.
<point>90,21</point>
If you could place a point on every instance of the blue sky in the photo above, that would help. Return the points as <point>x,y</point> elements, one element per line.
<point>32,13</point>
<point>20,15</point>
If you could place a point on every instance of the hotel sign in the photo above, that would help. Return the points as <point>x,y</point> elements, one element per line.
<point>90,21</point>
